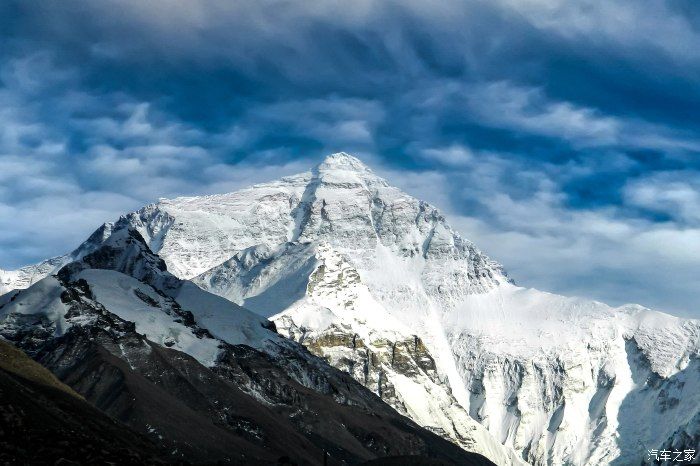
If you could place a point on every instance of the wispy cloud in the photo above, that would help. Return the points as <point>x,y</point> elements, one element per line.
<point>560,135</point>
<point>520,213</point>
<point>528,110</point>
<point>673,193</point>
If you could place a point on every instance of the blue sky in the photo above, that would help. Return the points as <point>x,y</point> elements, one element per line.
<point>561,137</point>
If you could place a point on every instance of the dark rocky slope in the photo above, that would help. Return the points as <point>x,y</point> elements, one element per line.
<point>253,406</point>
<point>43,421</point>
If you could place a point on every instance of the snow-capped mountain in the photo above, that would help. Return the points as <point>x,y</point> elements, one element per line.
<point>203,378</point>
<point>26,276</point>
<point>381,286</point>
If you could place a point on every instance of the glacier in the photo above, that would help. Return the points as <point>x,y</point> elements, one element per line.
<point>379,284</point>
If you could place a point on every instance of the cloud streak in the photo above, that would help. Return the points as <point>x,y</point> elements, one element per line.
<point>560,136</point>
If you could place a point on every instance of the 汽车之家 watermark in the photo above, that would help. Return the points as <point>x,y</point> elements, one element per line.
<point>670,455</point>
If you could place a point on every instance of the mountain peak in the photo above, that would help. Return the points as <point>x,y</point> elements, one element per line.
<point>342,161</point>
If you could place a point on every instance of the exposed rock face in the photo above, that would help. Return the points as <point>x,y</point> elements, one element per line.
<point>337,255</point>
<point>370,363</point>
<point>128,336</point>
<point>548,376</point>
<point>339,320</point>
<point>43,421</point>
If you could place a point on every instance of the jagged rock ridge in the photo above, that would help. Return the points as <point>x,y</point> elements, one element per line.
<point>135,340</point>
<point>356,270</point>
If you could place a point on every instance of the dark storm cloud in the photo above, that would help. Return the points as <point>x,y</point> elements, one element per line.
<point>564,131</point>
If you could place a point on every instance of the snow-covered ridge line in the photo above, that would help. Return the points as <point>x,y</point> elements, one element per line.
<point>26,276</point>
<point>337,256</point>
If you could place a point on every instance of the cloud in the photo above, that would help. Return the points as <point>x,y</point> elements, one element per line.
<point>453,155</point>
<point>333,121</point>
<point>560,136</point>
<point>652,24</point>
<point>675,193</point>
<point>519,214</point>
<point>528,110</point>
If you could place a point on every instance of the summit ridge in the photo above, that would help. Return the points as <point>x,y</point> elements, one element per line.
<point>380,285</point>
